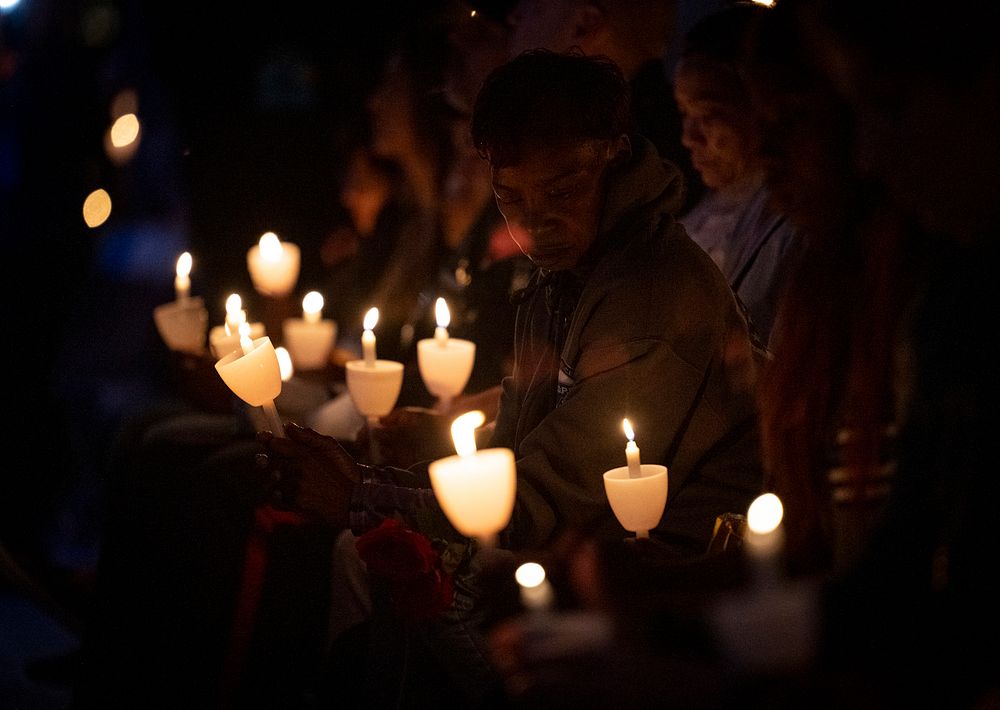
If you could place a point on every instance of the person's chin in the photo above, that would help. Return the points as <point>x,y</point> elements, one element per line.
<point>552,259</point>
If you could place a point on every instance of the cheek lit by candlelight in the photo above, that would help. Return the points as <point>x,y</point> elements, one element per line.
<point>463,432</point>
<point>270,247</point>
<point>97,208</point>
<point>284,364</point>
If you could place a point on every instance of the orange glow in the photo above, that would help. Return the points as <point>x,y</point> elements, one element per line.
<point>97,208</point>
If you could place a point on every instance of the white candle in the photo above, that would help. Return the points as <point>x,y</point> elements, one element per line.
<point>536,592</point>
<point>254,375</point>
<point>312,307</point>
<point>285,366</point>
<point>311,337</point>
<point>475,489</point>
<point>234,313</point>
<point>443,319</point>
<point>182,282</point>
<point>245,343</point>
<point>273,265</point>
<point>368,337</point>
<point>765,537</point>
<point>631,451</point>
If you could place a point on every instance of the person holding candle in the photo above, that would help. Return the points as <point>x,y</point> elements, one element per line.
<point>624,314</point>
<point>874,428</point>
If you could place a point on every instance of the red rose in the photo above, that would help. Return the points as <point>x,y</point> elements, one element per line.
<point>409,567</point>
<point>393,551</point>
<point>423,597</point>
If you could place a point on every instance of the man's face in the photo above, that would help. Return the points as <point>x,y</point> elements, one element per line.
<point>552,199</point>
<point>718,129</point>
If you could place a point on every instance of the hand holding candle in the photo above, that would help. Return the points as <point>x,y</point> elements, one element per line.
<point>631,451</point>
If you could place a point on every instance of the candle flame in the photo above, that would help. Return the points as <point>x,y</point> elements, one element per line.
<point>765,513</point>
<point>234,304</point>
<point>371,318</point>
<point>270,247</point>
<point>284,364</point>
<point>184,263</point>
<point>313,302</point>
<point>97,208</point>
<point>245,342</point>
<point>442,313</point>
<point>530,574</point>
<point>463,432</point>
<point>627,426</point>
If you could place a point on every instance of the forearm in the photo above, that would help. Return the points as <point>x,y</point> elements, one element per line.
<point>385,492</point>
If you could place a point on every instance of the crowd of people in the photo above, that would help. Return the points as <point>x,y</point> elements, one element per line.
<point>764,238</point>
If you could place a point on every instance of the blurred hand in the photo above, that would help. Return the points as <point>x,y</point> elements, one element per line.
<point>310,473</point>
<point>197,381</point>
<point>410,434</point>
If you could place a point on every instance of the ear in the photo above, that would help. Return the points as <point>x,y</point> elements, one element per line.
<point>587,20</point>
<point>620,150</point>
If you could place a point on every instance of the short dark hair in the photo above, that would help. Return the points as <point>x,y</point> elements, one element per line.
<point>542,96</point>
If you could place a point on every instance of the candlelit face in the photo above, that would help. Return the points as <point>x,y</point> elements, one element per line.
<point>551,196</point>
<point>718,128</point>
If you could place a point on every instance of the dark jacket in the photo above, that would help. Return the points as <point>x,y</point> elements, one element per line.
<point>656,335</point>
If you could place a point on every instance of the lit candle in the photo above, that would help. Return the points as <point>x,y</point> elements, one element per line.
<point>445,363</point>
<point>443,319</point>
<point>253,374</point>
<point>285,366</point>
<point>182,283</point>
<point>765,537</point>
<point>234,313</point>
<point>368,337</point>
<point>273,265</point>
<point>312,307</point>
<point>245,343</point>
<point>475,489</point>
<point>631,451</point>
<point>311,337</point>
<point>536,592</point>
